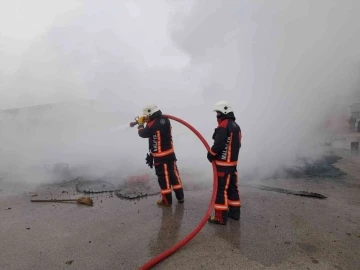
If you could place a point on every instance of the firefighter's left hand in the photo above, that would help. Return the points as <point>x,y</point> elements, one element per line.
<point>210,157</point>
<point>149,160</point>
<point>141,120</point>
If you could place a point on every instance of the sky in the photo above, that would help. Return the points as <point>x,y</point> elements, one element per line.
<point>286,67</point>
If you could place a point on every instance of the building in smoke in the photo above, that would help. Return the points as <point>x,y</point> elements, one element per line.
<point>355,110</point>
<point>355,117</point>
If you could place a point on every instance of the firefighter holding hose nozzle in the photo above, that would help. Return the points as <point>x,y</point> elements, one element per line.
<point>161,153</point>
<point>225,151</point>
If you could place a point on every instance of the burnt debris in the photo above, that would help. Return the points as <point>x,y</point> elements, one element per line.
<point>98,186</point>
<point>323,168</point>
<point>288,191</point>
<point>137,190</point>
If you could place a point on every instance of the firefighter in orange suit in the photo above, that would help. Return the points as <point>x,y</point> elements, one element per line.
<point>162,154</point>
<point>225,152</point>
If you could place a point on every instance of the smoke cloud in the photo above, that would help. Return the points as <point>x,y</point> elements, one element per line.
<point>286,67</point>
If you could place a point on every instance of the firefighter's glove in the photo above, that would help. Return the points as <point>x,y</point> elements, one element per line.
<point>210,157</point>
<point>141,120</point>
<point>149,160</point>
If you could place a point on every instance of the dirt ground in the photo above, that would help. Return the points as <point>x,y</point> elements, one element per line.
<point>276,230</point>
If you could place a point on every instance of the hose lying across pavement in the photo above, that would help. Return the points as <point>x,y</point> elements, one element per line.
<point>173,249</point>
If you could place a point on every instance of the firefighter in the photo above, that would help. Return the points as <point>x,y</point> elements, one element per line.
<point>162,154</point>
<point>225,151</point>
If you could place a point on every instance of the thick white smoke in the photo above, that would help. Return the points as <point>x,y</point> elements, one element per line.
<point>284,66</point>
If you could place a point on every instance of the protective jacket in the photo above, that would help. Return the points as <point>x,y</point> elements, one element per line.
<point>158,130</point>
<point>227,143</point>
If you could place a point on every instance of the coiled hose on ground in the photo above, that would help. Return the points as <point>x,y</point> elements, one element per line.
<point>173,249</point>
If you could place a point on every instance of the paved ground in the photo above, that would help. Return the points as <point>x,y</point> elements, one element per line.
<point>276,231</point>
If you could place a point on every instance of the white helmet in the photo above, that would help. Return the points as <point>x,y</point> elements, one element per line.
<point>223,107</point>
<point>150,110</point>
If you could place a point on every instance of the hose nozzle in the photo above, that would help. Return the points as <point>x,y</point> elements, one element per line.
<point>144,119</point>
<point>133,124</point>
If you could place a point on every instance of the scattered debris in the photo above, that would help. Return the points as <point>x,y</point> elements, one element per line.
<point>323,167</point>
<point>69,262</point>
<point>288,191</point>
<point>97,186</point>
<point>134,187</point>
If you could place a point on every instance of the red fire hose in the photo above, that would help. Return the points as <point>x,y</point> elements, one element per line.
<point>173,249</point>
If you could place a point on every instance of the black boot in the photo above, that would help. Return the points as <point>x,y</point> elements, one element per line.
<point>179,193</point>
<point>219,218</point>
<point>166,200</point>
<point>234,212</point>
